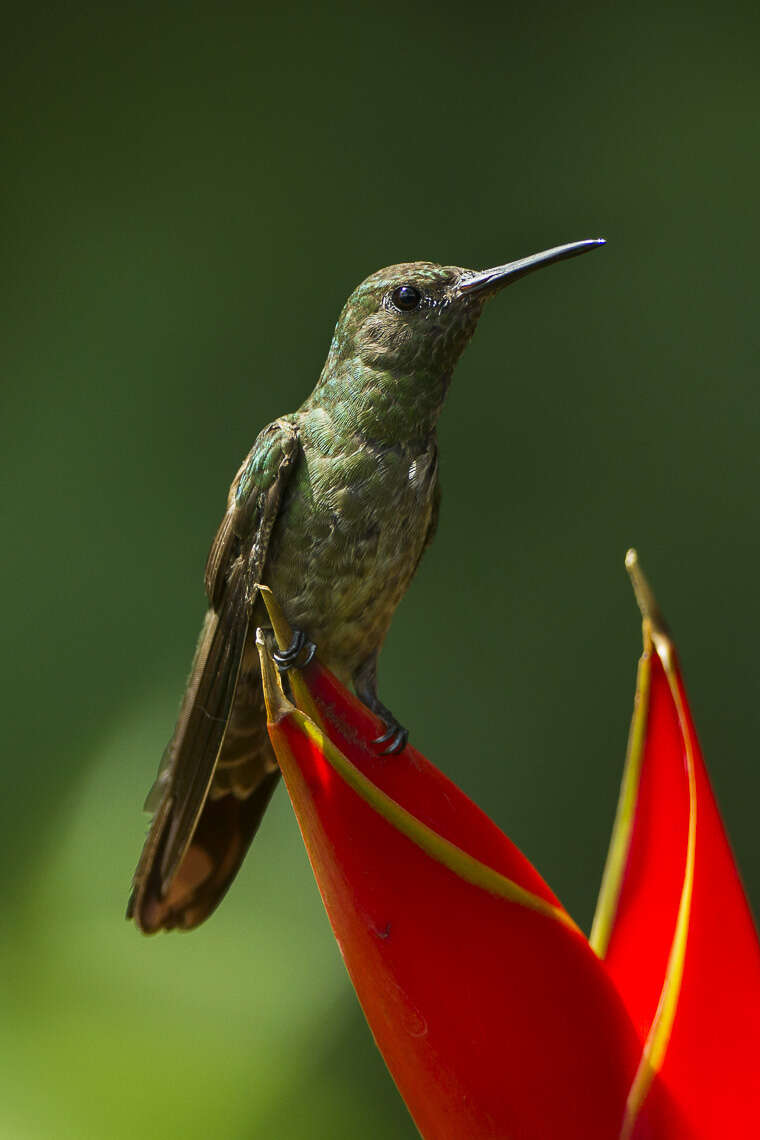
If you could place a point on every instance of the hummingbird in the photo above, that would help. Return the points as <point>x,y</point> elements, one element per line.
<point>332,508</point>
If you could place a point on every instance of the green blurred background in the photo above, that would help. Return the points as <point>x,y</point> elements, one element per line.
<point>189,194</point>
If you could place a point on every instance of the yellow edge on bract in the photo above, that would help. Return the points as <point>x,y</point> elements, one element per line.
<point>622,830</point>
<point>660,1030</point>
<point>433,844</point>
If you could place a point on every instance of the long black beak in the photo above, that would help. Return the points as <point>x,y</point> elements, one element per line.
<point>492,279</point>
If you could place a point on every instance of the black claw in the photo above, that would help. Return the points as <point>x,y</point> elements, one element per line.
<point>397,735</point>
<point>392,730</point>
<point>286,659</point>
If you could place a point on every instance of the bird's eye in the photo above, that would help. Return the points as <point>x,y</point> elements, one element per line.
<point>406,297</point>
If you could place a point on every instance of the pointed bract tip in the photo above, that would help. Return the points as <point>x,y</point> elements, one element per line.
<point>282,631</point>
<point>278,705</point>
<point>645,599</point>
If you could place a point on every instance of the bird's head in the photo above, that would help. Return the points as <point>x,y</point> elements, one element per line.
<point>400,335</point>
<point>418,316</point>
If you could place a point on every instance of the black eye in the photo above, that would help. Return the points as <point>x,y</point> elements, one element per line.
<point>406,297</point>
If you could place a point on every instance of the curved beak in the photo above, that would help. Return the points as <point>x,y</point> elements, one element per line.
<point>490,280</point>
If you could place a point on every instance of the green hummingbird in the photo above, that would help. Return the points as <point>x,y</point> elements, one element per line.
<point>333,509</point>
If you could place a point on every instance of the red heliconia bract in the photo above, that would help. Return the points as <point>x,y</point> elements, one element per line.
<point>487,1003</point>
<point>673,925</point>
<point>494,1014</point>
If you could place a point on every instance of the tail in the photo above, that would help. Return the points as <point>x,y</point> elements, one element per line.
<point>214,786</point>
<point>222,837</point>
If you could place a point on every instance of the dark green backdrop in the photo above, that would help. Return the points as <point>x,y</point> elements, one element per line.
<point>188,197</point>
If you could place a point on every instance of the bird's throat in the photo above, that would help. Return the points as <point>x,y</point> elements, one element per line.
<point>389,406</point>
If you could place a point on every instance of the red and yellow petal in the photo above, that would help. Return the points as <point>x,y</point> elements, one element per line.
<point>673,925</point>
<point>492,1012</point>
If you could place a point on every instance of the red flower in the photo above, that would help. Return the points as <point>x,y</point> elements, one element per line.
<point>495,1015</point>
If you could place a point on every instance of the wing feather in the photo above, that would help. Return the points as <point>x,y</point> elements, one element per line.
<point>234,568</point>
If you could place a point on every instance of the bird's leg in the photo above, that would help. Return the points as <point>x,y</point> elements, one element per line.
<point>286,659</point>
<point>365,684</point>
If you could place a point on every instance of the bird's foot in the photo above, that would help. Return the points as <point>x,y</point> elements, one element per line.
<point>365,683</point>
<point>396,735</point>
<point>286,659</point>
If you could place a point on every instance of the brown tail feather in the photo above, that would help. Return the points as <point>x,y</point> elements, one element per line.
<point>213,789</point>
<point>221,839</point>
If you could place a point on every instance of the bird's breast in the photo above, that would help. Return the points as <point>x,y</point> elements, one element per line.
<point>349,537</point>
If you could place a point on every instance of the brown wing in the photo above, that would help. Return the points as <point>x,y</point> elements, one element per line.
<point>179,797</point>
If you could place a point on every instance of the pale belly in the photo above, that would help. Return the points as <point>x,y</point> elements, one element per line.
<point>346,545</point>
